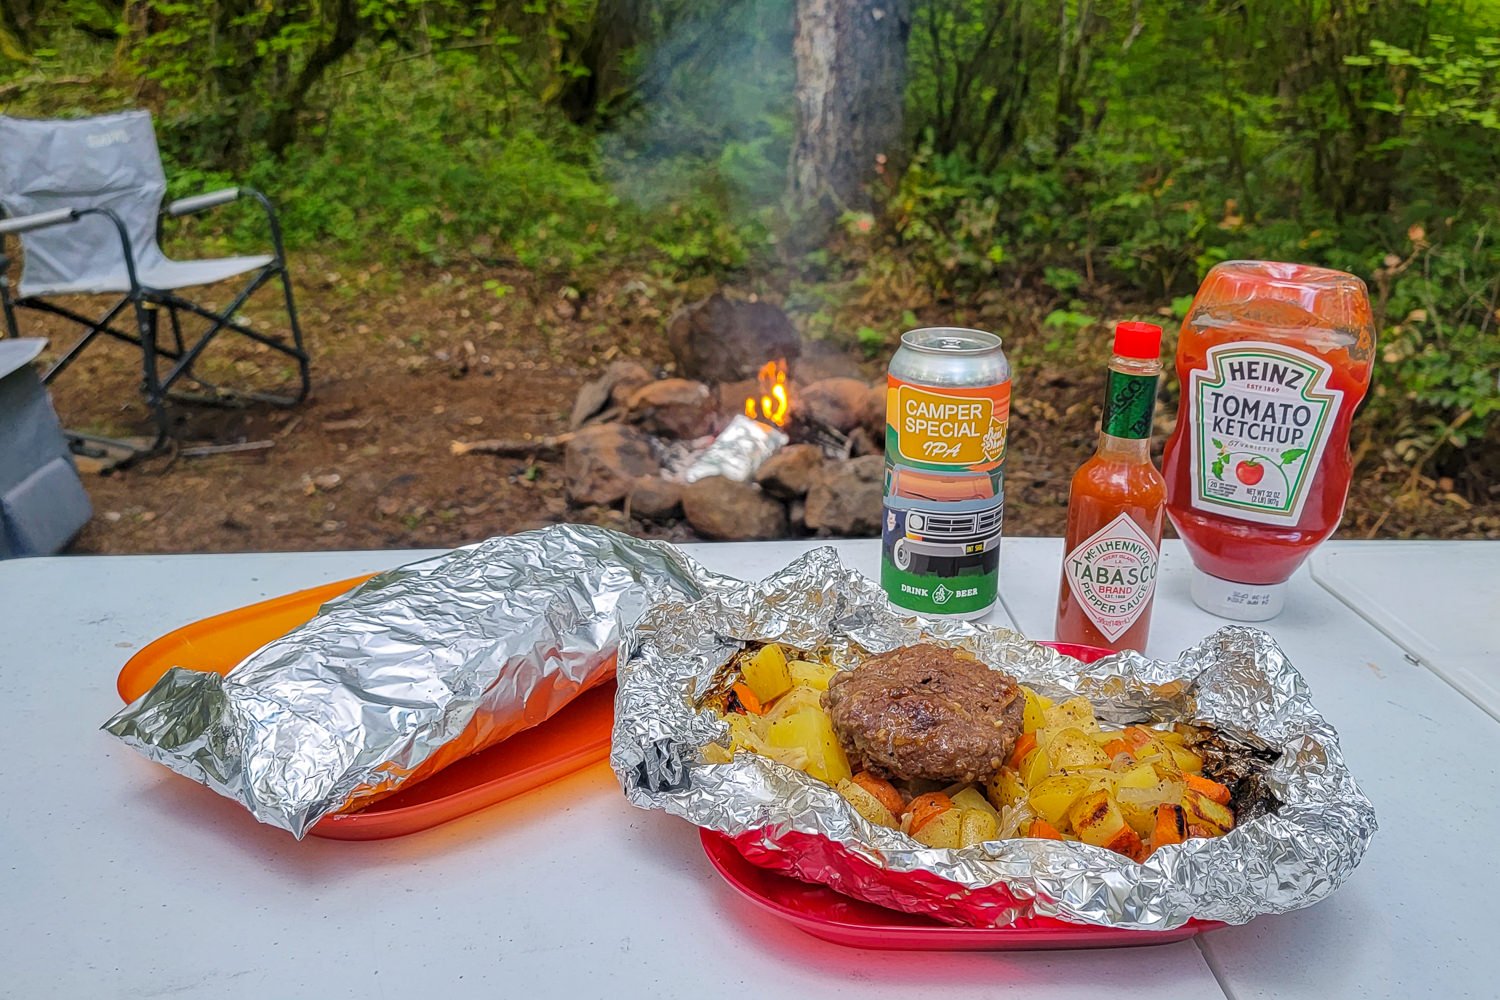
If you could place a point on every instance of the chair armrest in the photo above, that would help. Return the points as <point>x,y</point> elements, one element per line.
<point>213,199</point>
<point>202,202</point>
<point>39,220</point>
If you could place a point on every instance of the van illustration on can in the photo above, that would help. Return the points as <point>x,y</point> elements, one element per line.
<point>943,525</point>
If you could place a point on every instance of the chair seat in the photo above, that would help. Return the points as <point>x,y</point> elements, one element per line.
<point>165,275</point>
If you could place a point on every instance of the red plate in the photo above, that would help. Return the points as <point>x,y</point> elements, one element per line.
<point>823,913</point>
<point>573,738</point>
<point>832,916</point>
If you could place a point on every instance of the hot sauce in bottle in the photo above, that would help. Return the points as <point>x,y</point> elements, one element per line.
<point>1273,360</point>
<point>1115,508</point>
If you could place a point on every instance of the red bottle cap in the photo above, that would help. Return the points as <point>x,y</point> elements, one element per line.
<point>1138,340</point>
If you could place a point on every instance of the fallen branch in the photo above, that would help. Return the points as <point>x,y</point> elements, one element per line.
<point>204,450</point>
<point>549,446</point>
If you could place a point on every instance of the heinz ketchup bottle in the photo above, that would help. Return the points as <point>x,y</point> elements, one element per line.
<point>1115,507</point>
<point>1273,360</point>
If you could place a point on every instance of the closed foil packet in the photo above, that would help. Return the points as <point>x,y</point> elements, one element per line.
<point>410,671</point>
<point>1237,681</point>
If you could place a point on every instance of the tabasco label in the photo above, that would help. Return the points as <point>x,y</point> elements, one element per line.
<point>1261,415</point>
<point>1112,573</point>
<point>952,429</point>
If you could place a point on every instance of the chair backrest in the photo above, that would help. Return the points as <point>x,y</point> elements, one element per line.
<point>106,162</point>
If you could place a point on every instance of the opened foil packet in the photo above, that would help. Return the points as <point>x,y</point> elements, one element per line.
<point>410,671</point>
<point>1309,831</point>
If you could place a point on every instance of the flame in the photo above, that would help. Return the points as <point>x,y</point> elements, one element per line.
<point>774,400</point>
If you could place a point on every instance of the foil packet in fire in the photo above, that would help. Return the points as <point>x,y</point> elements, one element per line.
<point>410,671</point>
<point>1309,831</point>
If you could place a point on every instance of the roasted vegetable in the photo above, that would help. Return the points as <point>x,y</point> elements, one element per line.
<point>806,673</point>
<point>811,731</point>
<point>883,791</point>
<point>867,805</point>
<point>766,672</point>
<point>1129,790</point>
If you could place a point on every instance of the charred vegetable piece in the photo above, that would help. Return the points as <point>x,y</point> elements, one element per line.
<point>1207,786</point>
<point>1171,826</point>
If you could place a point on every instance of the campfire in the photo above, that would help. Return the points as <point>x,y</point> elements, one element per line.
<point>791,451</point>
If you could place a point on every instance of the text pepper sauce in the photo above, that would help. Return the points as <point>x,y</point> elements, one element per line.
<point>947,420</point>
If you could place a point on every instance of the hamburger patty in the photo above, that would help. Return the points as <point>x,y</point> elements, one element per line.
<point>926,712</point>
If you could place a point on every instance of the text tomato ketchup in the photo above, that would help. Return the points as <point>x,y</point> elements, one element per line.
<point>1273,360</point>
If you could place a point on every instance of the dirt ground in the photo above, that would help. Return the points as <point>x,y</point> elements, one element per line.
<point>407,362</point>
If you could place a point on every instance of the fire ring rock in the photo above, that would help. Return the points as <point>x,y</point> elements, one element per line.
<point>791,472</point>
<point>846,499</point>
<point>723,340</point>
<point>674,407</point>
<point>603,462</point>
<point>654,498</point>
<point>834,402</point>
<point>730,511</point>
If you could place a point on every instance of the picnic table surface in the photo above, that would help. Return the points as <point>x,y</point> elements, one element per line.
<point>124,880</point>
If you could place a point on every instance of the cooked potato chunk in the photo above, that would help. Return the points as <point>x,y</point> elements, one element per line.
<point>1053,797</point>
<point>1071,749</point>
<point>1073,712</point>
<point>978,826</point>
<point>867,805</point>
<point>811,730</point>
<point>767,674</point>
<point>972,798</point>
<point>806,673</point>
<point>1032,718</point>
<point>943,830</point>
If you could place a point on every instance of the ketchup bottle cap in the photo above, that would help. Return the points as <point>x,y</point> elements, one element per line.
<point>1138,340</point>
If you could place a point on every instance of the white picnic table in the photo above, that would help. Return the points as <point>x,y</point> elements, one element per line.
<point>120,879</point>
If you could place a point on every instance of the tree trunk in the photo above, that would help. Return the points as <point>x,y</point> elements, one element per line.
<point>851,83</point>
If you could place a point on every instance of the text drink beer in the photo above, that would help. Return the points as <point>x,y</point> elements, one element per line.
<point>947,414</point>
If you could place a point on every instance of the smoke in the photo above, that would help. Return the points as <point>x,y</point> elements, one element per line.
<point>715,113</point>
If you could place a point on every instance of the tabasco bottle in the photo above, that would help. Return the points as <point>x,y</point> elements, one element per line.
<point>1115,508</point>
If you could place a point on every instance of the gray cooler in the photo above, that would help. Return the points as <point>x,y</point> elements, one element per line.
<point>42,501</point>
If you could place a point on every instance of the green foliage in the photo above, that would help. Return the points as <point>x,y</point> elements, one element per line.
<point>1075,156</point>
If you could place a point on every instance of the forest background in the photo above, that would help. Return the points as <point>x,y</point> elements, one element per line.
<point>1040,168</point>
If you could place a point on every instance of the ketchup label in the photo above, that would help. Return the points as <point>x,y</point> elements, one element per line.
<point>1261,415</point>
<point>949,428</point>
<point>1112,573</point>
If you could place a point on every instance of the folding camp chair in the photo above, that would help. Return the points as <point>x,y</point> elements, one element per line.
<point>85,198</point>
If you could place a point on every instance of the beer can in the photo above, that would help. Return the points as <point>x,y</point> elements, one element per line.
<point>947,416</point>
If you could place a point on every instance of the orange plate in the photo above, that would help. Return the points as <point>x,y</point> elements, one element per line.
<point>574,737</point>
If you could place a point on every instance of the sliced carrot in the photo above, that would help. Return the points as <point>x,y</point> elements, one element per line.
<point>1024,746</point>
<point>882,790</point>
<point>747,699</point>
<point>1128,843</point>
<point>1042,830</point>
<point>1210,788</point>
<point>1171,825</point>
<point>1116,747</point>
<point>925,808</point>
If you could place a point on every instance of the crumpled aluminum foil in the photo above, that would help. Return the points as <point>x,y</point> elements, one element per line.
<point>409,671</point>
<point>1236,681</point>
<point>737,452</point>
